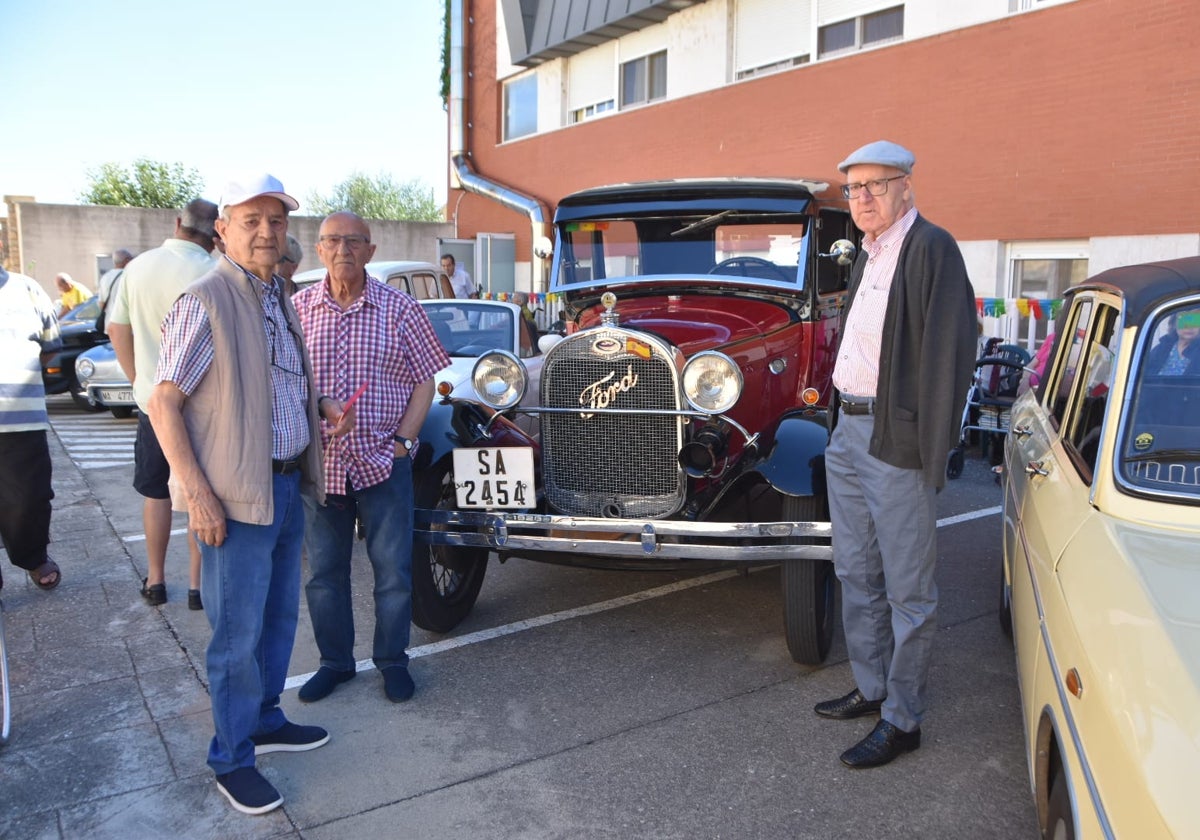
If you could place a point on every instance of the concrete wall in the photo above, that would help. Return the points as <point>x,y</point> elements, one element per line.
<point>50,238</point>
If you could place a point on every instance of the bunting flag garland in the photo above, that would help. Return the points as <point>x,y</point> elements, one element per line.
<point>1037,308</point>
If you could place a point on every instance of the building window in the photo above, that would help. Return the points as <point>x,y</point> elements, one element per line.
<point>644,79</point>
<point>773,67</point>
<point>860,32</point>
<point>1041,271</point>
<point>520,107</point>
<point>589,111</point>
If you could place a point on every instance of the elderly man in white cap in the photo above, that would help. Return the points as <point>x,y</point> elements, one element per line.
<point>902,369</point>
<point>236,414</point>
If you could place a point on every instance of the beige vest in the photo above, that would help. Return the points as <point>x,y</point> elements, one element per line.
<point>228,416</point>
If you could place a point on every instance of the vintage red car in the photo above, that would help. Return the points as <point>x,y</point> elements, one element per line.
<point>683,416</point>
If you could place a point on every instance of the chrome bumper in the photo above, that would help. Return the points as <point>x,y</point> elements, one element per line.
<point>648,539</point>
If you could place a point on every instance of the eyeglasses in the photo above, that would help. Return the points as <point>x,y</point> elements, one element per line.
<point>877,187</point>
<point>334,240</point>
<point>272,340</point>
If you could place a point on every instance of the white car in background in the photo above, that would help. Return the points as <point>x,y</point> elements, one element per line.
<point>103,382</point>
<point>422,280</point>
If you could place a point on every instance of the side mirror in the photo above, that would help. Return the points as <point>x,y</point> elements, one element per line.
<point>843,251</point>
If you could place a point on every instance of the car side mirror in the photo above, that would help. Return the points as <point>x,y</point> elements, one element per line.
<point>843,251</point>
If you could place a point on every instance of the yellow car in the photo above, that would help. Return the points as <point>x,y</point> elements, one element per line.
<point>1101,577</point>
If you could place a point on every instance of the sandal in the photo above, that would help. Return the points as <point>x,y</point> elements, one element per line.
<point>49,569</point>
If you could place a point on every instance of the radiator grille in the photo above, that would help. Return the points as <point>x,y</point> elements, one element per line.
<point>603,464</point>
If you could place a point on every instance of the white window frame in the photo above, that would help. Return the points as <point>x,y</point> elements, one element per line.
<point>531,80</point>
<point>859,28</point>
<point>1034,331</point>
<point>590,112</point>
<point>646,93</point>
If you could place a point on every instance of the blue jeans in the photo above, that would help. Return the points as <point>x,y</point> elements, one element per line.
<point>386,511</point>
<point>251,591</point>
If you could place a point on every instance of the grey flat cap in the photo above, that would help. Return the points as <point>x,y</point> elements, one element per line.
<point>881,153</point>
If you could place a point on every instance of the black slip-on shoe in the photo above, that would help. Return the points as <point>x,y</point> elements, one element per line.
<point>883,744</point>
<point>155,595</point>
<point>248,791</point>
<point>321,684</point>
<point>853,705</point>
<point>397,683</point>
<point>291,737</point>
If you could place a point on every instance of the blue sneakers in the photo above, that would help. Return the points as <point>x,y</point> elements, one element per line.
<point>291,737</point>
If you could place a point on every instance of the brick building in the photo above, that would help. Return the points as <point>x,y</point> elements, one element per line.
<point>1054,138</point>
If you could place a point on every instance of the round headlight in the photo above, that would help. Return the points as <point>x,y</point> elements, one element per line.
<point>84,368</point>
<point>499,379</point>
<point>711,382</point>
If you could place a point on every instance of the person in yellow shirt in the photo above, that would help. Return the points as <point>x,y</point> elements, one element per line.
<point>73,293</point>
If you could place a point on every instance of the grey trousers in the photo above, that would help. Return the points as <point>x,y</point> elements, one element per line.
<point>884,550</point>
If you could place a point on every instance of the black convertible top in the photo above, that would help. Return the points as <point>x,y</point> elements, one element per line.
<point>1146,286</point>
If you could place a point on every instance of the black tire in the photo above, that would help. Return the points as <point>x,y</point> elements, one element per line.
<point>1006,625</point>
<point>446,579</point>
<point>122,412</point>
<point>955,463</point>
<point>1060,822</point>
<point>809,591</point>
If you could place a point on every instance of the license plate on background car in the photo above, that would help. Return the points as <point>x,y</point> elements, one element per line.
<point>109,395</point>
<point>494,477</point>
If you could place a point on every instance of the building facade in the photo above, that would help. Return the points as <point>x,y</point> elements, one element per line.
<point>1054,138</point>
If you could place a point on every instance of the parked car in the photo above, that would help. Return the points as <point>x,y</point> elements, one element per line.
<point>104,382</point>
<point>78,328</point>
<point>469,329</point>
<point>1100,585</point>
<point>422,280</point>
<point>682,418</point>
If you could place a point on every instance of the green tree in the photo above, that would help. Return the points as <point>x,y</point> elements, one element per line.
<point>378,198</point>
<point>147,183</point>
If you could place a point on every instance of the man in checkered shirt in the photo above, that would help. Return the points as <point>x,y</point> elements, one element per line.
<point>364,333</point>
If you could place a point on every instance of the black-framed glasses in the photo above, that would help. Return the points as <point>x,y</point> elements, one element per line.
<point>272,341</point>
<point>878,186</point>
<point>335,240</point>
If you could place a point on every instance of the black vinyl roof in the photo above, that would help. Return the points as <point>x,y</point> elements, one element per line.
<point>1147,286</point>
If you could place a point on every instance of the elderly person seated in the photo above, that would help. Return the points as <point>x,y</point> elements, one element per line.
<point>1178,352</point>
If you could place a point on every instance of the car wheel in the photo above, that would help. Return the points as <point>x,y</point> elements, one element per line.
<point>122,412</point>
<point>1006,625</point>
<point>446,579</point>
<point>809,590</point>
<point>1060,822</point>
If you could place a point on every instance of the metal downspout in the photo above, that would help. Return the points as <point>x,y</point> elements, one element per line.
<point>460,167</point>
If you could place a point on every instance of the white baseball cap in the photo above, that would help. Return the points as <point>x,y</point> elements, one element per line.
<point>245,189</point>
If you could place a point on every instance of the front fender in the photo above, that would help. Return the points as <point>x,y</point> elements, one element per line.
<point>795,464</point>
<point>454,424</point>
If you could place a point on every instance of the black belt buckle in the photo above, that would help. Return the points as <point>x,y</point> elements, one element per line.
<point>867,407</point>
<point>285,467</point>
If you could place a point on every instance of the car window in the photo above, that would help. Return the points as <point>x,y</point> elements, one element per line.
<point>471,329</point>
<point>1064,375</point>
<point>1159,451</point>
<point>1084,420</point>
<point>424,285</point>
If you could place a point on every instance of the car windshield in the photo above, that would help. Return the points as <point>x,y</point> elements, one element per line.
<point>471,329</point>
<point>89,310</point>
<point>1160,448</point>
<point>730,243</point>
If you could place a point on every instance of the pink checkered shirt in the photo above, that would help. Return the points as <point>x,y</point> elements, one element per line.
<point>856,371</point>
<point>383,339</point>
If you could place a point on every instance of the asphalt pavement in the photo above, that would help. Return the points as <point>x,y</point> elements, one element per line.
<point>571,704</point>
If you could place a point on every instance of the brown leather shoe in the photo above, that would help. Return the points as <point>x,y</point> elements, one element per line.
<point>853,705</point>
<point>883,744</point>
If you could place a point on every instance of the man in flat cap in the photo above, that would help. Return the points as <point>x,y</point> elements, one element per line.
<point>236,414</point>
<point>901,374</point>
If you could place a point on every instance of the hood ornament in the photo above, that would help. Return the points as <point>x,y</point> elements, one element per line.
<point>609,318</point>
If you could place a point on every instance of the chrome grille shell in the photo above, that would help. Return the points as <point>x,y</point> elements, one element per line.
<point>613,460</point>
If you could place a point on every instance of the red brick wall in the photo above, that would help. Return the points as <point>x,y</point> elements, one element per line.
<point>1078,120</point>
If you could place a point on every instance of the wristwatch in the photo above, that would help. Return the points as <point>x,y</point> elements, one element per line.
<point>408,444</point>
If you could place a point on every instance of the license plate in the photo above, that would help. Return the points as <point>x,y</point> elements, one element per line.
<point>494,477</point>
<point>111,395</point>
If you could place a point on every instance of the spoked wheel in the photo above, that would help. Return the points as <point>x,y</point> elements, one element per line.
<point>809,591</point>
<point>446,579</point>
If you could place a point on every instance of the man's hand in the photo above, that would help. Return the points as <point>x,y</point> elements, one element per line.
<point>339,417</point>
<point>206,517</point>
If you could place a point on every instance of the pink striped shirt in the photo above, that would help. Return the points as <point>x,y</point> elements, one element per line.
<point>856,371</point>
<point>384,339</point>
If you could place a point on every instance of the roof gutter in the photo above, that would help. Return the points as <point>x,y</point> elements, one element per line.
<point>462,175</point>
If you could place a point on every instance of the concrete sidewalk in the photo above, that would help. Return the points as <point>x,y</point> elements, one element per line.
<point>110,710</point>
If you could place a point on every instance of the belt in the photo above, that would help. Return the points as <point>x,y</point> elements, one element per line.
<point>285,467</point>
<point>861,407</point>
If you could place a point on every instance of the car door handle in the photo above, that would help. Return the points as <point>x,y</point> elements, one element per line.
<point>1036,468</point>
<point>1022,431</point>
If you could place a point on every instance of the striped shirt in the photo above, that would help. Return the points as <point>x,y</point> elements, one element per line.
<point>856,370</point>
<point>187,355</point>
<point>383,339</point>
<point>28,327</point>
